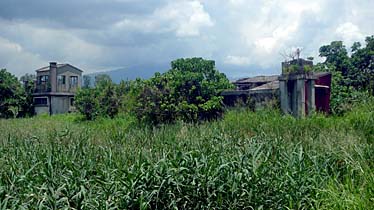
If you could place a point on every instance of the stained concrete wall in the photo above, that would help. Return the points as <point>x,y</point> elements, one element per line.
<point>41,110</point>
<point>60,104</point>
<point>68,72</point>
<point>265,98</point>
<point>253,99</point>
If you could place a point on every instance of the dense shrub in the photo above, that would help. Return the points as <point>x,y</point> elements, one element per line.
<point>343,96</point>
<point>352,74</point>
<point>87,103</point>
<point>190,91</point>
<point>107,99</point>
<point>12,95</point>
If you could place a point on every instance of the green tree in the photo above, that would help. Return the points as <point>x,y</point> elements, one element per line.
<point>87,103</point>
<point>11,95</point>
<point>350,75</point>
<point>127,93</point>
<point>27,104</point>
<point>363,62</point>
<point>103,100</point>
<point>336,54</point>
<point>108,100</point>
<point>189,91</point>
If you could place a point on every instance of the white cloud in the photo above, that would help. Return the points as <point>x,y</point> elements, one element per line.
<point>298,7</point>
<point>185,18</point>
<point>237,2</point>
<point>349,32</point>
<point>237,60</point>
<point>15,59</point>
<point>265,45</point>
<point>144,25</point>
<point>35,44</point>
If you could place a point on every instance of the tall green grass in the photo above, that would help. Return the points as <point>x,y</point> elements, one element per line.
<point>246,160</point>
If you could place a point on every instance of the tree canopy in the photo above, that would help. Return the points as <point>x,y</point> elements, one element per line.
<point>189,91</point>
<point>353,75</point>
<point>12,94</point>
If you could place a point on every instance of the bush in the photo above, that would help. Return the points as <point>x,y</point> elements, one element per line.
<point>343,97</point>
<point>86,103</point>
<point>12,95</point>
<point>189,92</point>
<point>107,99</point>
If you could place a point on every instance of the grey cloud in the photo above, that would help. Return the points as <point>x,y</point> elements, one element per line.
<point>245,37</point>
<point>75,13</point>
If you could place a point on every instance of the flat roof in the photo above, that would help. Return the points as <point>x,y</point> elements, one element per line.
<point>257,79</point>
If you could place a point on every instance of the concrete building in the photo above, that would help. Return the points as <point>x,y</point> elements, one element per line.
<point>253,82</point>
<point>55,88</point>
<point>298,90</point>
<point>298,86</point>
<point>260,89</point>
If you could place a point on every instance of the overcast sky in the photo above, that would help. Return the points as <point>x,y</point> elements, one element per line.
<point>244,37</point>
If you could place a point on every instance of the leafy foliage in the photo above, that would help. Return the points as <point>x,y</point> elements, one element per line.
<point>353,76</point>
<point>363,62</point>
<point>107,99</point>
<point>12,95</point>
<point>87,103</point>
<point>189,91</point>
<point>27,104</point>
<point>336,54</point>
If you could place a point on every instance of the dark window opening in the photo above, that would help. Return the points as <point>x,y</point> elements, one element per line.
<point>61,79</point>
<point>43,79</point>
<point>41,101</point>
<point>71,101</point>
<point>73,81</point>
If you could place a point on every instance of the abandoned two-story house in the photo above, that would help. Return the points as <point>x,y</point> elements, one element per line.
<point>55,88</point>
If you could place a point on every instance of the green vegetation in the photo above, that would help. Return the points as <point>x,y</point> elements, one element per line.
<point>246,159</point>
<point>189,91</point>
<point>128,156</point>
<point>14,99</point>
<point>353,75</point>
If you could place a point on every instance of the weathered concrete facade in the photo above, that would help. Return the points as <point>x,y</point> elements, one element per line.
<point>297,93</point>
<point>298,90</point>
<point>264,90</point>
<point>55,88</point>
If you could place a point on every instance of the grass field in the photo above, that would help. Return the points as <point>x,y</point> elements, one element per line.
<point>246,160</point>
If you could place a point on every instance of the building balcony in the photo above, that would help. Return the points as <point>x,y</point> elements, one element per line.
<point>46,88</point>
<point>42,88</point>
<point>67,88</point>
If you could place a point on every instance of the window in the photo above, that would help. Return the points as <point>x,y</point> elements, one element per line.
<point>71,101</point>
<point>43,79</point>
<point>73,81</point>
<point>61,79</point>
<point>40,101</point>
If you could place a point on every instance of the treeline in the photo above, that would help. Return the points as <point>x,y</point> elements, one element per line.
<point>189,91</point>
<point>353,72</point>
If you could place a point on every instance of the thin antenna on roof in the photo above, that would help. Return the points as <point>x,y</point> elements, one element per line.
<point>298,51</point>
